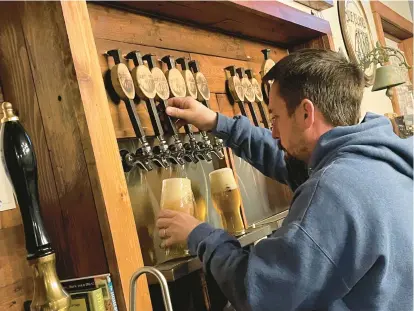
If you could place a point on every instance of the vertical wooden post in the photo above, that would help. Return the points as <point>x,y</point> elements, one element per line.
<point>101,152</point>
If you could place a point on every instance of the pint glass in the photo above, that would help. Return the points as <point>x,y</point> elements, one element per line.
<point>176,195</point>
<point>226,200</point>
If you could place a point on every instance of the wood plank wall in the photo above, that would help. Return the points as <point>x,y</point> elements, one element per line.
<point>127,31</point>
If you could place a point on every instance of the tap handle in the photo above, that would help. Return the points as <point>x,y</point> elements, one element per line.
<point>136,58</point>
<point>116,55</point>
<point>249,73</point>
<point>240,72</point>
<point>169,60</point>
<point>253,114</point>
<point>194,66</point>
<point>242,108</point>
<point>232,70</point>
<point>151,61</point>
<point>155,119</point>
<point>162,107</point>
<point>183,62</point>
<point>266,53</point>
<point>129,103</point>
<point>21,166</point>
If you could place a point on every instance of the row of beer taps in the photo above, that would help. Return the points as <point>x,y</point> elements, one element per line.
<point>149,83</point>
<point>245,89</point>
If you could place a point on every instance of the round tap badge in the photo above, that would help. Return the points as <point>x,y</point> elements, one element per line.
<point>257,90</point>
<point>248,90</point>
<point>202,86</point>
<point>122,81</point>
<point>177,83</point>
<point>238,89</point>
<point>268,64</point>
<point>145,85</point>
<point>161,84</point>
<point>191,83</point>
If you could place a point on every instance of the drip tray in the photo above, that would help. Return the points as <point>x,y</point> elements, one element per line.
<point>175,269</point>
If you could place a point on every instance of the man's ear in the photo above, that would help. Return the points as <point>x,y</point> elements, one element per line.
<point>306,113</point>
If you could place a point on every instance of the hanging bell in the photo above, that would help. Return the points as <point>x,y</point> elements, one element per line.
<point>386,77</point>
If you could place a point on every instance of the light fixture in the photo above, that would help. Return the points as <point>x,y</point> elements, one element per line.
<point>386,76</point>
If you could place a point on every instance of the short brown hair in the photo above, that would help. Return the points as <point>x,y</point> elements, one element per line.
<point>328,79</point>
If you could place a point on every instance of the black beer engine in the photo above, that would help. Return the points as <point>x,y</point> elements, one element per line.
<point>20,162</point>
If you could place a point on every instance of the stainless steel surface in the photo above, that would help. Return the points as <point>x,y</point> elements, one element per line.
<point>161,279</point>
<point>262,197</point>
<point>145,192</point>
<point>176,269</point>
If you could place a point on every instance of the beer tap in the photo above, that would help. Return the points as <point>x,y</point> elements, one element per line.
<point>249,94</point>
<point>195,148</point>
<point>258,96</point>
<point>20,163</point>
<point>266,66</point>
<point>192,91</point>
<point>145,89</point>
<point>204,97</point>
<point>124,87</point>
<point>177,150</point>
<point>236,89</point>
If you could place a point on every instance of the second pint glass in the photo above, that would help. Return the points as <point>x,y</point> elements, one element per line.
<point>176,195</point>
<point>226,200</point>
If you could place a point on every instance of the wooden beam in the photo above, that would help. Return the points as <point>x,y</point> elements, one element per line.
<point>102,155</point>
<point>266,21</point>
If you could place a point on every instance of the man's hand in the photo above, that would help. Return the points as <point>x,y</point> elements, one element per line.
<point>175,227</point>
<point>188,110</point>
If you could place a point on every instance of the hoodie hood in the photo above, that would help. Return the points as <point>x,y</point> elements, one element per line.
<point>372,138</point>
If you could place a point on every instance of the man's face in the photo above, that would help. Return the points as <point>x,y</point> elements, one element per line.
<point>285,127</point>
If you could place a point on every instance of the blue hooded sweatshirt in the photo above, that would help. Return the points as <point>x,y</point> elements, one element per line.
<point>347,243</point>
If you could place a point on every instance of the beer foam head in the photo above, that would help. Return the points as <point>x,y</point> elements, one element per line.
<point>175,189</point>
<point>222,179</point>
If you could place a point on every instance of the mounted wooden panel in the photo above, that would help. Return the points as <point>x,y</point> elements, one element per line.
<point>108,23</point>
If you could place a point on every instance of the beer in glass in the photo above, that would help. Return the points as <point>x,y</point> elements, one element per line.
<point>176,195</point>
<point>226,200</point>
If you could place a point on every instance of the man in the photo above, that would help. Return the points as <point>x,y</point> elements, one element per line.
<point>347,241</point>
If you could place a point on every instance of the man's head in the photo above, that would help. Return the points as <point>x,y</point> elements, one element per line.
<point>313,91</point>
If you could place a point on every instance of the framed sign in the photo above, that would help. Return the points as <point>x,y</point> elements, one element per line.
<point>356,34</point>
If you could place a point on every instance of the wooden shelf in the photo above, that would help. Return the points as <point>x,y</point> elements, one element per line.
<point>273,22</point>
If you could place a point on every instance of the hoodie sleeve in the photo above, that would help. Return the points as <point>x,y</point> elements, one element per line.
<point>254,144</point>
<point>287,271</point>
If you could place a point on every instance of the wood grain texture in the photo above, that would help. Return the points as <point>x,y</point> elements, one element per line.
<point>101,153</point>
<point>394,23</point>
<point>15,272</point>
<point>56,97</point>
<point>114,24</point>
<point>260,20</point>
<point>407,47</point>
<point>18,88</point>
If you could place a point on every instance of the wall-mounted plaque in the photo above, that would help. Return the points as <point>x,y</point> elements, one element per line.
<point>357,34</point>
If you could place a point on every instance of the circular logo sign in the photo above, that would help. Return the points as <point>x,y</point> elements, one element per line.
<point>357,35</point>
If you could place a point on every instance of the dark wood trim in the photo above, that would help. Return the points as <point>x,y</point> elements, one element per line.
<point>395,24</point>
<point>256,20</point>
